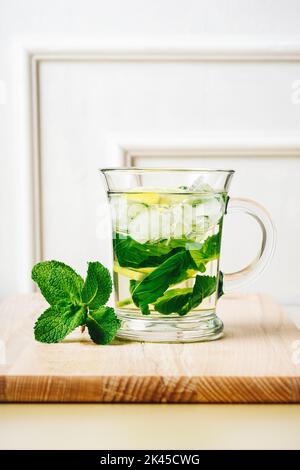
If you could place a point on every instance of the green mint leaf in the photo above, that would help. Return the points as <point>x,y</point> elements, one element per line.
<point>57,282</point>
<point>173,301</point>
<point>220,285</point>
<point>144,307</point>
<point>132,285</point>
<point>208,251</point>
<point>103,325</point>
<point>154,284</point>
<point>226,203</point>
<point>181,301</point>
<point>131,253</point>
<point>181,243</point>
<point>204,287</point>
<point>211,247</point>
<point>57,322</point>
<point>97,287</point>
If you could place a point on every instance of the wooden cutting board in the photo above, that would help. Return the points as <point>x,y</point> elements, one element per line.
<point>257,361</point>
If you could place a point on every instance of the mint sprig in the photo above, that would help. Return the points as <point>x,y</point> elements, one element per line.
<point>74,302</point>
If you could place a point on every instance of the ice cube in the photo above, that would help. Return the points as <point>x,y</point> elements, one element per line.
<point>182,220</point>
<point>153,223</point>
<point>139,227</point>
<point>209,211</point>
<point>119,208</point>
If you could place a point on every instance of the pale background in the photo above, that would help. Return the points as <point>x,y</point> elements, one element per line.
<point>94,83</point>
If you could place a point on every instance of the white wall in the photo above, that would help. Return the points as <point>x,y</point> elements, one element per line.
<point>89,107</point>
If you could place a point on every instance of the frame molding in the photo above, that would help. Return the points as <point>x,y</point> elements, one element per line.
<point>124,149</point>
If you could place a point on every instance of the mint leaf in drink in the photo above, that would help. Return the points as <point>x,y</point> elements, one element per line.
<point>209,251</point>
<point>154,284</point>
<point>204,287</point>
<point>97,287</point>
<point>103,325</point>
<point>173,301</point>
<point>220,285</point>
<point>132,285</point>
<point>226,200</point>
<point>131,253</point>
<point>57,322</point>
<point>151,254</point>
<point>57,282</point>
<point>183,300</point>
<point>182,243</point>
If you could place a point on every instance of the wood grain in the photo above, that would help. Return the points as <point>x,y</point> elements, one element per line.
<point>253,363</point>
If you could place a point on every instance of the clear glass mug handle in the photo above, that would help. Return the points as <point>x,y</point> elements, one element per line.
<point>238,279</point>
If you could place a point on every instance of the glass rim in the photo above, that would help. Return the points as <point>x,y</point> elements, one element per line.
<point>165,169</point>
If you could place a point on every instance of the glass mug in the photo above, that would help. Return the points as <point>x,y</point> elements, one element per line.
<point>167,230</point>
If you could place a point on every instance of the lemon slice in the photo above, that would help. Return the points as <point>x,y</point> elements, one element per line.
<point>148,198</point>
<point>171,199</point>
<point>136,274</point>
<point>128,272</point>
